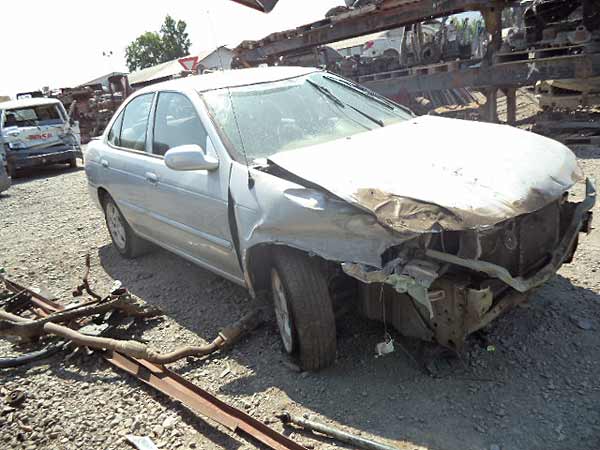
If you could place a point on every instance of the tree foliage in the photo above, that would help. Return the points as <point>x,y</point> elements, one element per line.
<point>152,48</point>
<point>469,29</point>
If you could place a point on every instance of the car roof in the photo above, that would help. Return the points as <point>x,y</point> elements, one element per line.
<point>28,102</point>
<point>230,78</point>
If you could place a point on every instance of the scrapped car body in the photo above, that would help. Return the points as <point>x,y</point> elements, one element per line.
<point>311,187</point>
<point>36,132</point>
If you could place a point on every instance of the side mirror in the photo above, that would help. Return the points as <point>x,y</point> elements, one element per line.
<point>190,157</point>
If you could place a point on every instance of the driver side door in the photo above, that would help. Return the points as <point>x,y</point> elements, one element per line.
<point>189,208</point>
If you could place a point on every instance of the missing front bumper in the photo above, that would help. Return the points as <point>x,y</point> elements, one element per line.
<point>421,302</point>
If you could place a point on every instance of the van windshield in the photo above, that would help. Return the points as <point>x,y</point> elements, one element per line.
<point>32,116</point>
<point>264,119</point>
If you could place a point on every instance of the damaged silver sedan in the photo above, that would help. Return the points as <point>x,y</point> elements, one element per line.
<point>304,184</point>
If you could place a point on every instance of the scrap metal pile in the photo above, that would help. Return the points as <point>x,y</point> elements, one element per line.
<point>32,317</point>
<point>93,106</point>
<point>518,44</point>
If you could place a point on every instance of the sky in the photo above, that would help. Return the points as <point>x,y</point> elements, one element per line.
<point>61,43</point>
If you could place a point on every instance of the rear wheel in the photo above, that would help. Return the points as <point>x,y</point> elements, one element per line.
<point>127,243</point>
<point>303,308</point>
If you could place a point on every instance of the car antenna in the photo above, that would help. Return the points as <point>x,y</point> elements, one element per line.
<point>251,181</point>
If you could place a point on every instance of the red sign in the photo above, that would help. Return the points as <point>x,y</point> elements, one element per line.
<point>189,63</point>
<point>37,137</point>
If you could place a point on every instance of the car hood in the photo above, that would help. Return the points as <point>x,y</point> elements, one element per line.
<point>431,172</point>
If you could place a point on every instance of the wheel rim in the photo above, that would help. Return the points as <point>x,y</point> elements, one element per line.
<point>282,314</point>
<point>115,225</point>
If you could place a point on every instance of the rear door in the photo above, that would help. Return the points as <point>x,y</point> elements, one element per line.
<point>189,207</point>
<point>124,159</point>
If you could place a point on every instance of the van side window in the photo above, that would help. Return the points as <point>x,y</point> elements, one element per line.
<point>114,135</point>
<point>135,123</point>
<point>176,123</point>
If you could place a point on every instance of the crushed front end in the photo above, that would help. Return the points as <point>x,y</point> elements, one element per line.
<point>442,286</point>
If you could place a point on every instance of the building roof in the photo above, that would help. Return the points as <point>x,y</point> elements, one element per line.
<point>100,80</point>
<point>165,70</point>
<point>28,102</point>
<point>232,78</point>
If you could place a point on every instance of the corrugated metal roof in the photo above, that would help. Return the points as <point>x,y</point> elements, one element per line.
<point>101,79</point>
<point>165,70</point>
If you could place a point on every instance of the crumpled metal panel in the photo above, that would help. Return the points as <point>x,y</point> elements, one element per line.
<point>430,173</point>
<point>277,211</point>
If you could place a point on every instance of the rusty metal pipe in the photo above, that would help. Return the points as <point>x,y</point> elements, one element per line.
<point>341,436</point>
<point>190,395</point>
<point>32,328</point>
<point>136,349</point>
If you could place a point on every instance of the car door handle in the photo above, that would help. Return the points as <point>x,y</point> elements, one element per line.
<point>151,177</point>
<point>104,163</point>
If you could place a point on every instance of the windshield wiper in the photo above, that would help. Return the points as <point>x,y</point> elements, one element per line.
<point>340,103</point>
<point>362,91</point>
<point>323,90</point>
<point>368,116</point>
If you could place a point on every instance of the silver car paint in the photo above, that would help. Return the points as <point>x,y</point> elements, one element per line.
<point>526,173</point>
<point>431,170</point>
<point>184,212</point>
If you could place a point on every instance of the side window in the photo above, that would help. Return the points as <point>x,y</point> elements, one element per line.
<point>114,135</point>
<point>135,123</point>
<point>176,123</point>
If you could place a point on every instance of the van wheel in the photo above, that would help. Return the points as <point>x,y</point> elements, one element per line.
<point>11,171</point>
<point>73,163</point>
<point>303,308</point>
<point>127,243</point>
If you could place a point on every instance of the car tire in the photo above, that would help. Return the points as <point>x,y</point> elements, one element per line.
<point>303,308</point>
<point>127,243</point>
<point>73,163</point>
<point>11,171</point>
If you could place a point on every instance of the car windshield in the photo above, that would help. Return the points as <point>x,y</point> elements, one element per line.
<point>261,120</point>
<point>32,116</point>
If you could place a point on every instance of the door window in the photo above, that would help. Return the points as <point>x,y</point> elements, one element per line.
<point>176,123</point>
<point>135,123</point>
<point>114,135</point>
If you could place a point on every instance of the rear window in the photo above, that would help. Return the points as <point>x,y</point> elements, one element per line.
<point>32,116</point>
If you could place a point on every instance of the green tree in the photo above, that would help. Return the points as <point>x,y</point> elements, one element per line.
<point>153,48</point>
<point>176,42</point>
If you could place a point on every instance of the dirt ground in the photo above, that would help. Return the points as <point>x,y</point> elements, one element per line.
<point>529,382</point>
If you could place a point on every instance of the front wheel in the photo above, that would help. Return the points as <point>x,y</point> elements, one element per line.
<point>303,308</point>
<point>127,243</point>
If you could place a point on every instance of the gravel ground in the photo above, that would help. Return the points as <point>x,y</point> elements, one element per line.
<point>538,389</point>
